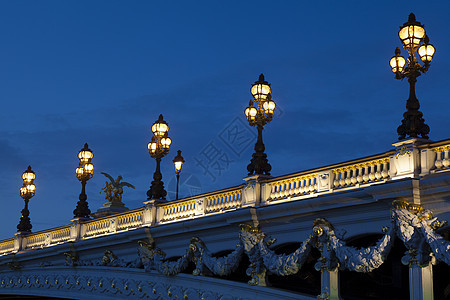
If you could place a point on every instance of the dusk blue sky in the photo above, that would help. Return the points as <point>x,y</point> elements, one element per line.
<point>102,71</point>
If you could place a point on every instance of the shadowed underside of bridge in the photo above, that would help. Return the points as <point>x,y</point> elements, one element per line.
<point>106,283</point>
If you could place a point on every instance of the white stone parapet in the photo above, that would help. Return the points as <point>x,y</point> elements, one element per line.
<point>411,158</point>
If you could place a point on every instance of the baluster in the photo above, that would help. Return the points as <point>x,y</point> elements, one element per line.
<point>366,173</point>
<point>347,179</point>
<point>385,172</point>
<point>336,178</point>
<point>311,184</point>
<point>342,177</point>
<point>378,172</point>
<point>438,163</point>
<point>296,189</point>
<point>446,161</point>
<point>359,178</point>
<point>273,190</point>
<point>305,185</point>
<point>372,172</point>
<point>301,187</point>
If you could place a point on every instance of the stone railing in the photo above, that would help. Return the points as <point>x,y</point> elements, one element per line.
<point>224,201</point>
<point>97,227</point>
<point>298,185</point>
<point>130,220</point>
<point>177,211</point>
<point>7,246</point>
<point>442,160</point>
<point>411,158</point>
<point>360,173</point>
<point>354,174</point>
<point>36,240</point>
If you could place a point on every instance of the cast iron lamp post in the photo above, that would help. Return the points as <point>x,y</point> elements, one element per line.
<point>158,148</point>
<point>84,172</point>
<point>26,192</point>
<point>259,115</point>
<point>178,162</point>
<point>412,34</point>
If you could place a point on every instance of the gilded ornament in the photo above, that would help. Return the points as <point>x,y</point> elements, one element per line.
<point>139,289</point>
<point>125,287</point>
<point>415,208</point>
<point>317,230</point>
<point>100,284</point>
<point>154,291</point>
<point>400,204</point>
<point>403,151</point>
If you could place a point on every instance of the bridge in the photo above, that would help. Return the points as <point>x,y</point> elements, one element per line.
<point>370,228</point>
<point>374,224</point>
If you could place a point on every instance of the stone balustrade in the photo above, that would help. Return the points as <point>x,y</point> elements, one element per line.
<point>97,227</point>
<point>224,201</point>
<point>130,220</point>
<point>177,211</point>
<point>442,159</point>
<point>360,173</point>
<point>7,246</point>
<point>299,185</point>
<point>410,158</point>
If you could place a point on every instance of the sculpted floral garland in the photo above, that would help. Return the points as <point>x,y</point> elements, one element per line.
<point>413,225</point>
<point>410,222</point>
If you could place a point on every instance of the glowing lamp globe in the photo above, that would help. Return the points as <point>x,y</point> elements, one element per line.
<point>411,33</point>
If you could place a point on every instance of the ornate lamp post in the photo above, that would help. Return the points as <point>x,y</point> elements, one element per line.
<point>414,39</point>
<point>26,192</point>
<point>178,162</point>
<point>158,148</point>
<point>84,172</point>
<point>259,115</point>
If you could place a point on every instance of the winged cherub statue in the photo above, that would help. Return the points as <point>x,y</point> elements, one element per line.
<point>114,190</point>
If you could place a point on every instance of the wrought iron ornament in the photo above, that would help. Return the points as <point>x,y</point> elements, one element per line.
<point>412,34</point>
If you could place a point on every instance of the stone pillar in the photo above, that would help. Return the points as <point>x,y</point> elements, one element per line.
<point>252,191</point>
<point>18,242</point>
<point>151,212</point>
<point>427,159</point>
<point>329,282</point>
<point>75,230</point>
<point>324,181</point>
<point>421,282</point>
<point>406,161</point>
<point>200,207</point>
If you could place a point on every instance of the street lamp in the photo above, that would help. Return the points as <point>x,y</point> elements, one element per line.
<point>158,148</point>
<point>413,36</point>
<point>258,116</point>
<point>178,162</point>
<point>26,192</point>
<point>84,172</point>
